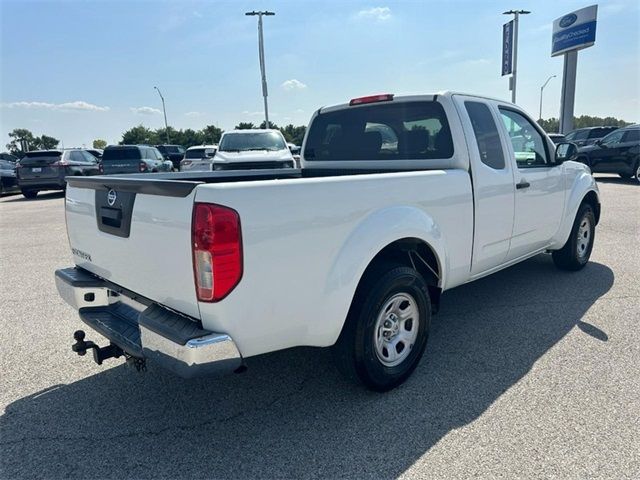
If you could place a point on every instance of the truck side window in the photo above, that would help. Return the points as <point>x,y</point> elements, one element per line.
<point>487,136</point>
<point>528,143</point>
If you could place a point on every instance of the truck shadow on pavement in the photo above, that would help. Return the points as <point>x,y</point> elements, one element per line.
<point>291,415</point>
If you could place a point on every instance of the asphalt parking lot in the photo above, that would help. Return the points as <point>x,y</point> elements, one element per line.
<point>531,372</point>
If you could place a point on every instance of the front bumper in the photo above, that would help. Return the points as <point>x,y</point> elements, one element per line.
<point>253,165</point>
<point>144,329</point>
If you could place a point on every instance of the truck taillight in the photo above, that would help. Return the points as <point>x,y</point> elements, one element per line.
<point>100,168</point>
<point>216,241</point>
<point>142,167</point>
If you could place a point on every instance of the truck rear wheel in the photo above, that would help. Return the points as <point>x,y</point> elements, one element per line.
<point>575,253</point>
<point>386,331</point>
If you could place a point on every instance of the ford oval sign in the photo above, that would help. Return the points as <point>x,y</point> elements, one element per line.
<point>111,197</point>
<point>568,20</point>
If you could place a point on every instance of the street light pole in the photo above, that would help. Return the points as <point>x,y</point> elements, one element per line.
<point>164,110</point>
<point>541,90</point>
<point>261,57</point>
<point>516,14</point>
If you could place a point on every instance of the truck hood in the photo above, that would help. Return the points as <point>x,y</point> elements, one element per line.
<point>253,156</point>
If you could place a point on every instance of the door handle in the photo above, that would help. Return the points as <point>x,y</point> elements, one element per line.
<point>522,184</point>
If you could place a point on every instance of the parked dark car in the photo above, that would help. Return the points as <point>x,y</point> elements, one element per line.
<point>175,153</point>
<point>557,138</point>
<point>588,135</point>
<point>8,157</point>
<point>133,159</point>
<point>618,152</point>
<point>8,180</point>
<point>47,169</point>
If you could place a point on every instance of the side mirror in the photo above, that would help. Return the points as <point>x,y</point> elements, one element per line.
<point>566,151</point>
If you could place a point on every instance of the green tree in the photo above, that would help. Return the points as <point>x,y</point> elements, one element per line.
<point>17,136</point>
<point>294,134</point>
<point>211,134</point>
<point>244,126</point>
<point>552,125</point>
<point>99,143</point>
<point>139,135</point>
<point>45,142</point>
<point>271,125</point>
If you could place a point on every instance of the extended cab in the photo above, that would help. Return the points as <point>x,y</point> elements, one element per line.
<point>398,200</point>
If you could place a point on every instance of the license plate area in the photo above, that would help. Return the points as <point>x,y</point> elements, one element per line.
<point>36,170</point>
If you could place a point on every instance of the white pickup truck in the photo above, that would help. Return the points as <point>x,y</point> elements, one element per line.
<point>398,199</point>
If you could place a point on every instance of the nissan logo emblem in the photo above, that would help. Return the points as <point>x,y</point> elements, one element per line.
<point>111,197</point>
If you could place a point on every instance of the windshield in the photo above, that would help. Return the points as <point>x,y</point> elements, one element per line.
<point>241,142</point>
<point>198,153</point>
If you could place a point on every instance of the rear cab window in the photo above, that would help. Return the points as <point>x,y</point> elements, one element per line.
<point>392,131</point>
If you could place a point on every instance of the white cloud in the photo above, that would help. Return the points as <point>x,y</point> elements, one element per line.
<point>67,106</point>
<point>145,110</point>
<point>193,114</point>
<point>293,84</point>
<point>379,14</point>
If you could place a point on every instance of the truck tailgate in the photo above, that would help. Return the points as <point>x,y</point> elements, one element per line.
<point>136,234</point>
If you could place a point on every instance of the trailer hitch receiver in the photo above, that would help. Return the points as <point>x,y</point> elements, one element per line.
<point>99,353</point>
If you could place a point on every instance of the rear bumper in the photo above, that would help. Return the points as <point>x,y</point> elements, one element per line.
<point>147,330</point>
<point>52,183</point>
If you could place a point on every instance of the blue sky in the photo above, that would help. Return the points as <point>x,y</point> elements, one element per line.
<point>84,70</point>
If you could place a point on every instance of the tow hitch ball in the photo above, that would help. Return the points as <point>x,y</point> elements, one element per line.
<point>102,353</point>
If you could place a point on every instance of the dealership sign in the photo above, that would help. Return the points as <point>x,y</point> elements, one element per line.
<point>574,31</point>
<point>507,48</point>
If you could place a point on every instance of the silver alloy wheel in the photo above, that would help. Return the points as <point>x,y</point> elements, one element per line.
<point>396,329</point>
<point>584,237</point>
<point>638,172</point>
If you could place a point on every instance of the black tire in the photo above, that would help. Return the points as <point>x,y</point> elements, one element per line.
<point>29,193</point>
<point>626,176</point>
<point>355,352</point>
<point>575,253</point>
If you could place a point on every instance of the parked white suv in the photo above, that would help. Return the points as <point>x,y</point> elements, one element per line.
<point>198,158</point>
<point>253,149</point>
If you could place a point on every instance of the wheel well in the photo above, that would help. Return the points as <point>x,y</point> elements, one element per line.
<point>592,199</point>
<point>417,254</point>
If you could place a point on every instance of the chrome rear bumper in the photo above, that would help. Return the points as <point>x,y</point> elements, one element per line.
<point>147,330</point>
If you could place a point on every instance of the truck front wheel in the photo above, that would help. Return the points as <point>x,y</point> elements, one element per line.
<point>387,328</point>
<point>576,252</point>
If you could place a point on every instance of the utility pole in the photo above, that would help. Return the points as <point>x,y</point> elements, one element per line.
<point>164,110</point>
<point>261,57</point>
<point>541,90</point>
<point>516,14</point>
